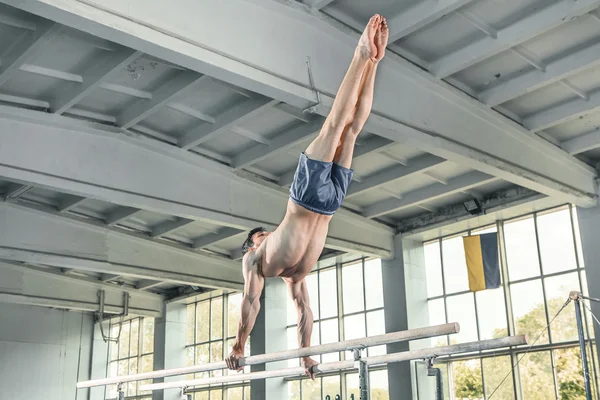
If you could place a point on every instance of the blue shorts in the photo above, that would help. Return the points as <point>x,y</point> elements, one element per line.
<point>320,186</point>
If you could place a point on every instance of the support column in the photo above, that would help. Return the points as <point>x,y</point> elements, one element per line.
<point>405,299</point>
<point>169,346</point>
<point>269,335</point>
<point>99,364</point>
<point>589,228</point>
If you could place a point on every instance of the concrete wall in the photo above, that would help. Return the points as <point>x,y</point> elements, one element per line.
<point>43,352</point>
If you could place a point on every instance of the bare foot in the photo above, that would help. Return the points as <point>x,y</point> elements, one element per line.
<point>366,45</point>
<point>381,39</point>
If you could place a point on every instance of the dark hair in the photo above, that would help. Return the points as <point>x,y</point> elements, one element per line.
<point>249,243</point>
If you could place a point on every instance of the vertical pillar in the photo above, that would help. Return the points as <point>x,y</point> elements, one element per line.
<point>405,299</point>
<point>169,346</point>
<point>269,335</point>
<point>99,367</point>
<point>589,228</point>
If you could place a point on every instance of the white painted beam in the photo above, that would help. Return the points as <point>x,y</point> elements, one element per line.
<point>454,126</point>
<point>318,4</point>
<point>167,93</point>
<point>421,14</point>
<point>120,214</point>
<point>93,76</point>
<point>16,190</point>
<point>27,49</point>
<point>529,81</point>
<point>247,109</point>
<point>17,22</point>
<point>77,158</point>
<point>524,29</point>
<point>182,108</point>
<point>170,226</point>
<point>129,91</point>
<point>69,202</point>
<point>391,174</point>
<point>428,193</point>
<point>109,277</point>
<point>147,284</point>
<point>282,141</point>
<point>209,240</point>
<point>42,236</point>
<point>582,143</point>
<point>563,112</point>
<point>36,286</point>
<point>578,91</point>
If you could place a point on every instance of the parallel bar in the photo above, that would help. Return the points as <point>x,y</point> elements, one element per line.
<point>411,334</point>
<point>350,364</point>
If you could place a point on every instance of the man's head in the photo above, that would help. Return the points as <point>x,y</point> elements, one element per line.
<point>254,239</point>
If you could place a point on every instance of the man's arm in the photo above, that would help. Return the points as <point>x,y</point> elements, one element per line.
<point>253,286</point>
<point>299,294</point>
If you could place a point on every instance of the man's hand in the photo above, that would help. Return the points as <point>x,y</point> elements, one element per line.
<point>308,364</point>
<point>233,361</point>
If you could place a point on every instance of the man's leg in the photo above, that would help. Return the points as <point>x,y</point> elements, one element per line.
<point>345,151</point>
<point>324,146</point>
<point>299,295</point>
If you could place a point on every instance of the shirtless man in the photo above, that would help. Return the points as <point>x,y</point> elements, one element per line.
<point>320,184</point>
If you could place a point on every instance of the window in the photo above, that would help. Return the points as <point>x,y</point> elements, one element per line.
<point>347,303</point>
<point>211,329</point>
<point>131,354</point>
<point>541,263</point>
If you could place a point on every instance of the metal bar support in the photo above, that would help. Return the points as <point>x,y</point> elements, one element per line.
<point>363,375</point>
<point>576,297</point>
<point>439,382</point>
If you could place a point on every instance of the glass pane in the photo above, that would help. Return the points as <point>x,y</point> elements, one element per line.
<point>537,381</point>
<point>113,369</point>
<point>433,269</point>
<point>133,369</point>
<point>521,249</point>
<point>190,323</point>
<point>354,327</point>
<point>216,395</point>
<point>376,326</point>
<point>201,396</point>
<point>329,334</point>
<point>569,373</point>
<point>331,387</point>
<point>135,337</point>
<point>528,309</point>
<point>557,248</point>
<point>202,321</point>
<point>373,284</point>
<point>234,302</point>
<point>148,335</point>
<point>148,363</point>
<point>328,292</point>
<point>235,394</point>
<point>114,347</point>
<point>379,385</point>
<point>216,351</point>
<point>292,343</point>
<point>124,341</point>
<point>247,393</point>
<point>467,379</point>
<point>455,266</point>
<point>461,309</point>
<point>312,282</point>
<point>122,367</point>
<point>352,288</point>
<point>294,390</point>
<point>216,318</point>
<point>202,354</point>
<point>564,327</point>
<point>437,316</point>
<point>311,390</point>
<point>352,386</point>
<point>492,314</point>
<point>494,370</point>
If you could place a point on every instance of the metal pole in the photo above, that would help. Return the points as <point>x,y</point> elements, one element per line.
<point>349,364</point>
<point>363,375</point>
<point>576,297</point>
<point>411,334</point>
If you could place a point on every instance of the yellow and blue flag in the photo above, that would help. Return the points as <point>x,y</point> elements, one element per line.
<point>483,264</point>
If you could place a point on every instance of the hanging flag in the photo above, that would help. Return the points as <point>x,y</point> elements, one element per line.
<point>483,265</point>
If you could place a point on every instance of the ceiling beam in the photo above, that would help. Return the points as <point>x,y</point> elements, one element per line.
<point>36,286</point>
<point>428,193</point>
<point>68,202</point>
<point>534,79</point>
<point>563,112</point>
<point>86,245</point>
<point>522,30</point>
<point>147,284</point>
<point>281,142</point>
<point>168,92</point>
<point>16,190</point>
<point>170,226</point>
<point>318,4</point>
<point>27,49</point>
<point>391,174</point>
<point>93,76</point>
<point>246,110</point>
<point>121,214</point>
<point>454,126</point>
<point>420,15</point>
<point>580,144</point>
<point>209,240</point>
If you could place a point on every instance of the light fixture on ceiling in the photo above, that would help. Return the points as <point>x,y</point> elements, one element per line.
<point>473,206</point>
